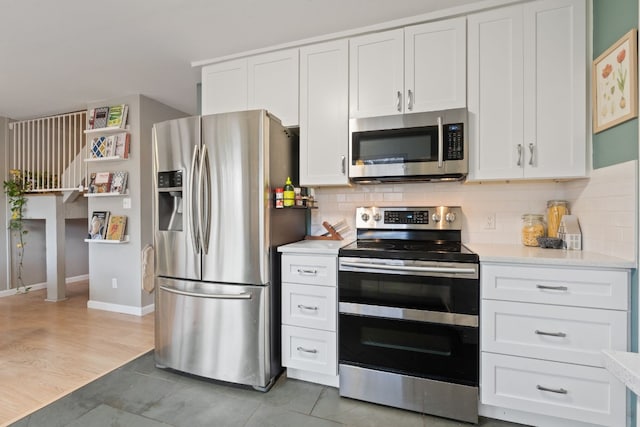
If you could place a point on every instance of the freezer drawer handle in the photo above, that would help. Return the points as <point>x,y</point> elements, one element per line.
<point>553,288</point>
<point>306,350</point>
<point>214,296</point>
<point>307,271</point>
<point>307,307</point>
<point>551,334</point>
<point>552,390</point>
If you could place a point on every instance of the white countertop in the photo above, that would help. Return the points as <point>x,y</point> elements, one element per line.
<point>326,247</point>
<point>625,366</point>
<point>534,255</point>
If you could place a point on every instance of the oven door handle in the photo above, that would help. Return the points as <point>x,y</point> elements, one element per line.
<point>396,268</point>
<point>398,313</point>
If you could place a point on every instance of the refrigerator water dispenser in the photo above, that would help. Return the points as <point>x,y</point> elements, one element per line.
<point>170,200</point>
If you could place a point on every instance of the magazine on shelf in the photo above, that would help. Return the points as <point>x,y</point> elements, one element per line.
<point>116,117</point>
<point>102,182</point>
<point>98,225</point>
<point>119,182</point>
<point>120,144</point>
<point>101,146</point>
<point>92,182</point>
<point>116,227</point>
<point>90,115</point>
<point>100,117</point>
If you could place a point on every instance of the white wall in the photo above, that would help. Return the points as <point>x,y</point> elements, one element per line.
<point>603,203</point>
<point>4,244</point>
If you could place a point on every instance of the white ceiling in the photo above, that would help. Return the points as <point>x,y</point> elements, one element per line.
<point>56,56</point>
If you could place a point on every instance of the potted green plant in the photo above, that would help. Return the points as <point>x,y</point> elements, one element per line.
<point>15,188</point>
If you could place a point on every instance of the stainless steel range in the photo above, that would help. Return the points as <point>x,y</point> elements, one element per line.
<point>408,293</point>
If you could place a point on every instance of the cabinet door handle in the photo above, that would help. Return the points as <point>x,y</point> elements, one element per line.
<point>553,288</point>
<point>399,101</point>
<point>306,350</point>
<point>307,307</point>
<point>552,390</point>
<point>344,164</point>
<point>519,163</point>
<point>410,99</point>
<point>531,151</point>
<point>551,334</point>
<point>307,272</point>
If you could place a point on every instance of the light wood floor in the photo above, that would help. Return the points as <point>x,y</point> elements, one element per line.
<point>49,349</point>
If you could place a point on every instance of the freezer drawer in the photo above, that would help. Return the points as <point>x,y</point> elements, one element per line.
<point>217,331</point>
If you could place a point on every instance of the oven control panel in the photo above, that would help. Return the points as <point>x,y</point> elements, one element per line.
<point>410,218</point>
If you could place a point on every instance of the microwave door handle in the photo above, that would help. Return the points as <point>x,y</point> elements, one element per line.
<point>440,144</point>
<point>191,218</point>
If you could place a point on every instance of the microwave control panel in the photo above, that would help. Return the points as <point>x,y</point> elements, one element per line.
<point>453,141</point>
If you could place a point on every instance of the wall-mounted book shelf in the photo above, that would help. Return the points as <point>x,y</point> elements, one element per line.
<point>105,130</point>
<point>109,242</point>
<point>126,193</point>
<point>106,159</point>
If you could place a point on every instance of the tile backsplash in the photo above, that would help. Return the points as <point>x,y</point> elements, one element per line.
<point>604,204</point>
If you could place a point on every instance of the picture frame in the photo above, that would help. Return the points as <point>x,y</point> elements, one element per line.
<point>614,83</point>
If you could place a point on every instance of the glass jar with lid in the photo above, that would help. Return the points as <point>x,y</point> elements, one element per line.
<point>532,228</point>
<point>556,209</point>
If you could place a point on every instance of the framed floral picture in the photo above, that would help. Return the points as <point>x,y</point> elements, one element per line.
<point>614,83</point>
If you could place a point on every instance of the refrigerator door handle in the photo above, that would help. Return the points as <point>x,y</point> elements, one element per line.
<point>246,295</point>
<point>191,218</point>
<point>204,217</point>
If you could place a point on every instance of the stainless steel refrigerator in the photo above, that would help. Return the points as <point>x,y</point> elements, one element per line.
<point>217,270</point>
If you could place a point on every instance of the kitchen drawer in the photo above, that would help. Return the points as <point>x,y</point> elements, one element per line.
<point>582,393</point>
<point>556,285</point>
<point>525,330</point>
<point>309,306</point>
<point>309,350</point>
<point>310,269</point>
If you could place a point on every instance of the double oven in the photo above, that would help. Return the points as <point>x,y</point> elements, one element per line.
<point>408,293</point>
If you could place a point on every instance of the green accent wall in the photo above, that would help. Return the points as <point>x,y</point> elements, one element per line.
<point>612,20</point>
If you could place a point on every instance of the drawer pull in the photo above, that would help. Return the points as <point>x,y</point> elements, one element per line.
<point>306,350</point>
<point>307,307</point>
<point>307,272</point>
<point>553,288</point>
<point>552,390</point>
<point>551,334</point>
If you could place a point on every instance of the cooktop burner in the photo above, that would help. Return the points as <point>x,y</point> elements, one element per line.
<point>429,234</point>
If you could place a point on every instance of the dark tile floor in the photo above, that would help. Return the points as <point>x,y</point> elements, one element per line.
<point>140,395</point>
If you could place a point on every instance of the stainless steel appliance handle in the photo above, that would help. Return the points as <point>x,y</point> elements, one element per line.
<point>531,151</point>
<point>204,217</point>
<point>399,313</point>
<point>551,334</point>
<point>307,272</point>
<point>307,307</point>
<point>409,99</point>
<point>553,288</point>
<point>365,265</point>
<point>306,350</point>
<point>519,162</point>
<point>399,101</point>
<point>246,295</point>
<point>192,223</point>
<point>552,390</point>
<point>344,164</point>
<point>440,144</point>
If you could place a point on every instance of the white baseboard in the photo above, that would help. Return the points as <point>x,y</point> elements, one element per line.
<point>119,308</point>
<point>43,285</point>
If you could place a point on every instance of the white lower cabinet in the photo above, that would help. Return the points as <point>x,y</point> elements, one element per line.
<point>543,329</point>
<point>309,317</point>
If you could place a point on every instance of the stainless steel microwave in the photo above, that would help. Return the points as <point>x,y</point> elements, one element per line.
<point>410,147</point>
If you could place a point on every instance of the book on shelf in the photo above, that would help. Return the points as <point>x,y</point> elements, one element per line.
<point>102,182</point>
<point>120,145</point>
<point>101,146</point>
<point>90,115</point>
<point>117,116</point>
<point>100,117</point>
<point>98,225</point>
<point>119,182</point>
<point>116,227</point>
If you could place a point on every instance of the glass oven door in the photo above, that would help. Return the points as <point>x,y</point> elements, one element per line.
<point>440,352</point>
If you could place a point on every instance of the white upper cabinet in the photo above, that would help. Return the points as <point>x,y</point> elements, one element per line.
<point>273,84</point>
<point>415,69</point>
<point>324,113</point>
<point>224,87</point>
<point>527,91</point>
<point>268,81</point>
